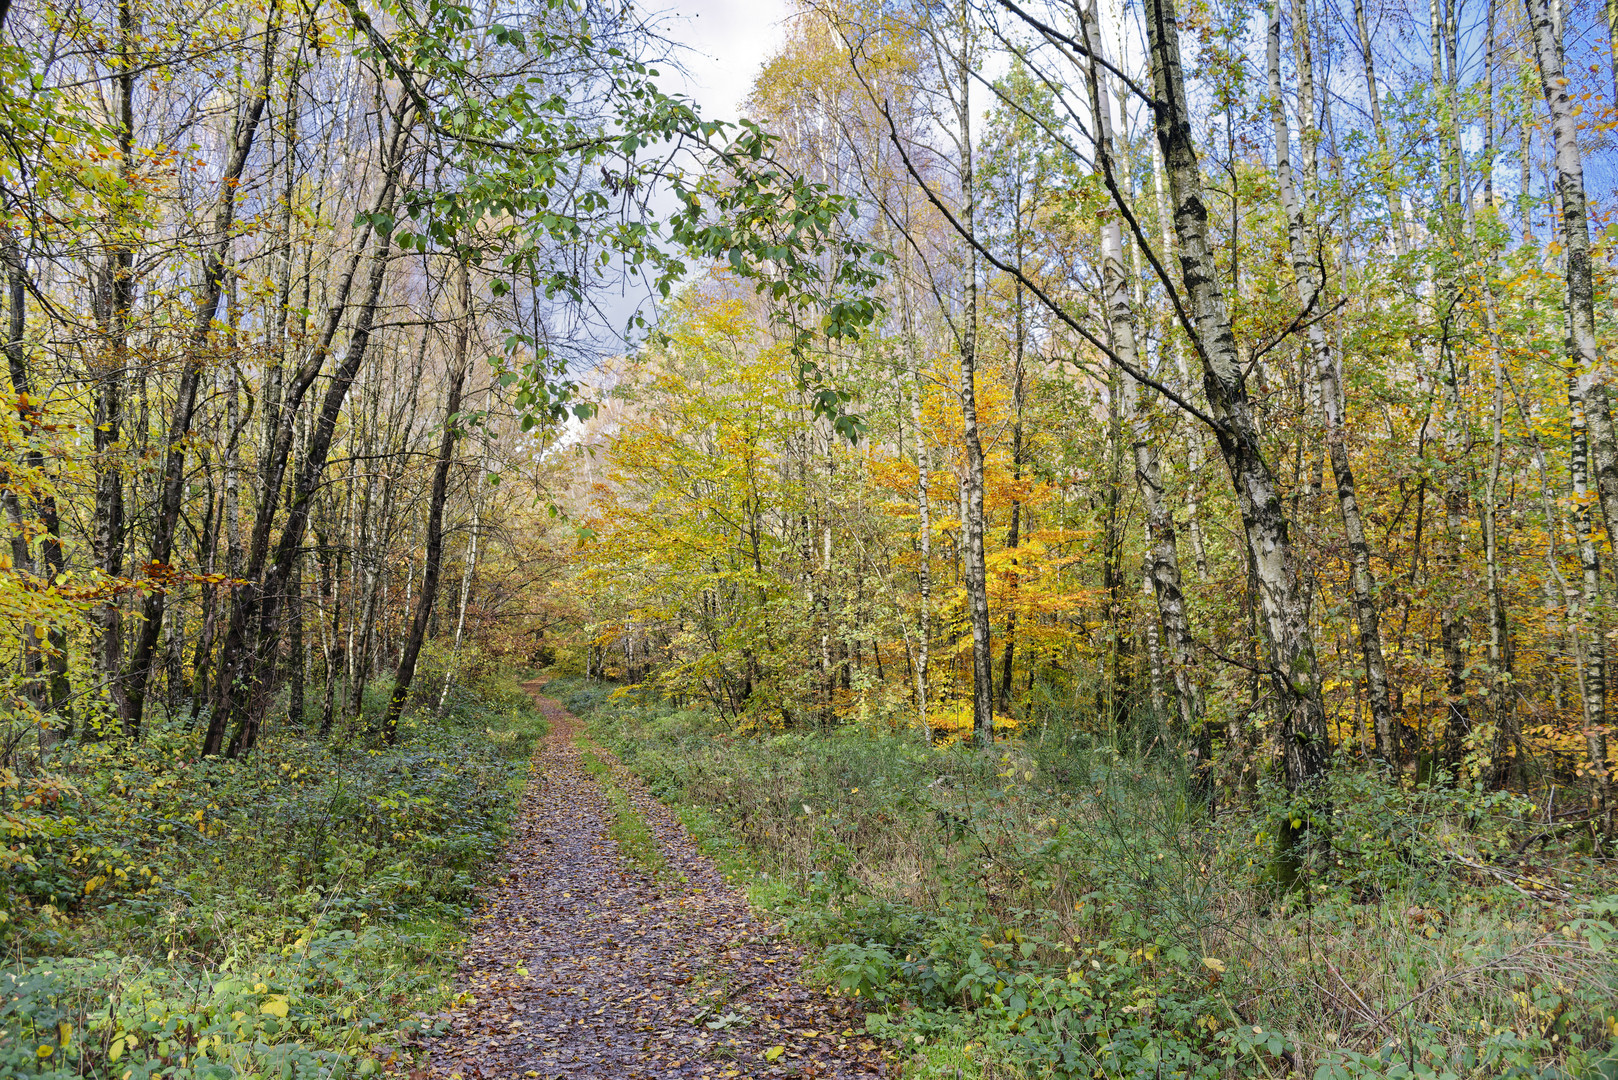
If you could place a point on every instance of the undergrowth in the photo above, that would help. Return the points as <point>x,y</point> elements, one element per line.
<point>1062,906</point>
<point>293,914</point>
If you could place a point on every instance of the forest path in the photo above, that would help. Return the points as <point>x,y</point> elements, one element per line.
<point>584,965</point>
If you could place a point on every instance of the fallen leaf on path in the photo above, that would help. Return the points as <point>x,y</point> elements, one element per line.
<point>685,984</point>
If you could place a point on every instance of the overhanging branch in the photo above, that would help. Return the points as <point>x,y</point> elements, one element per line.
<point>1056,309</point>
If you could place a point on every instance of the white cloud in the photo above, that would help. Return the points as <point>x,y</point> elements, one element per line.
<point>727,42</point>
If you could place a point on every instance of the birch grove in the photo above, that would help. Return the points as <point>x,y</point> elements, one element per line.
<point>1235,376</point>
<point>1362,522</point>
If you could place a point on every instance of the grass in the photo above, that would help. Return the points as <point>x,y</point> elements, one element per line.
<point>296,913</point>
<point>1062,907</point>
<point>629,828</point>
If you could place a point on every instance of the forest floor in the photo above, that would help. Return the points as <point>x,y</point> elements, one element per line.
<point>612,948</point>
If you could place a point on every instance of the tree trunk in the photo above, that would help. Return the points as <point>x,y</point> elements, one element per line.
<point>1507,737</point>
<point>1311,297</point>
<point>1278,571</point>
<point>1593,669</point>
<point>468,570</point>
<point>1113,694</point>
<point>1373,94</point>
<point>254,620</point>
<point>295,658</point>
<point>1163,557</point>
<point>57,689</point>
<point>375,529</point>
<point>974,568</point>
<point>136,676</point>
<point>924,515</point>
<point>1452,622</point>
<point>116,320</point>
<point>1584,352</point>
<point>371,578</point>
<point>329,559</point>
<point>1488,107</point>
<point>433,568</point>
<point>202,655</point>
<point>1194,453</point>
<point>1018,397</point>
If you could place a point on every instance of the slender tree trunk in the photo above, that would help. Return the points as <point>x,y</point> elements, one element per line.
<point>57,689</point>
<point>1373,94</point>
<point>975,571</point>
<point>1308,133</point>
<point>295,650</point>
<point>1195,451</point>
<point>136,676</point>
<point>1593,670</point>
<point>1163,580</point>
<point>117,320</point>
<point>331,601</point>
<point>281,313</point>
<point>1278,571</point>
<point>1488,107</point>
<point>1584,351</point>
<point>22,564</point>
<point>1013,537</point>
<point>374,553</point>
<point>1312,296</point>
<point>1525,180</point>
<point>468,571</point>
<point>1112,697</point>
<point>823,607</point>
<point>924,515</point>
<point>1507,738</point>
<point>207,556</point>
<point>1611,12</point>
<point>255,611</point>
<point>1452,619</point>
<point>355,510</point>
<point>233,475</point>
<point>1163,574</point>
<point>374,530</point>
<point>433,568</point>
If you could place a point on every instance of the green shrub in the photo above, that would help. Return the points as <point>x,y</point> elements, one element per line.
<point>1064,906</point>
<point>1385,836</point>
<point>272,916</point>
<point>309,1013</point>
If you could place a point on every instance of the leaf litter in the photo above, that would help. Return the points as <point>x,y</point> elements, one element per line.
<point>583,965</point>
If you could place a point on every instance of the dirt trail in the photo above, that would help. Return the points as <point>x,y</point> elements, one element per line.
<point>581,965</point>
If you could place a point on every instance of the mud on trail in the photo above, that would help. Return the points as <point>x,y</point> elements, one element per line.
<point>583,965</point>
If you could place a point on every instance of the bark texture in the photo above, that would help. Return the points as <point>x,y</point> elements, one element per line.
<point>1584,351</point>
<point>1277,570</point>
<point>1311,295</point>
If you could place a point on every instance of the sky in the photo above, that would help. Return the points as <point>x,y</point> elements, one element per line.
<point>720,45</point>
<point>725,43</point>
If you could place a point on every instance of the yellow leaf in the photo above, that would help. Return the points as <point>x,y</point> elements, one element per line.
<point>116,1050</point>
<point>1214,965</point>
<point>774,1052</point>
<point>276,1006</point>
